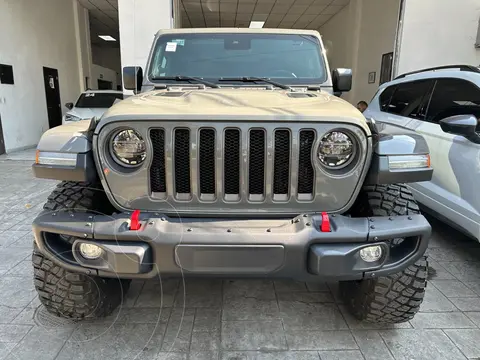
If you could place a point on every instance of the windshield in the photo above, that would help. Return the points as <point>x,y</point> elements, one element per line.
<point>97,100</point>
<point>285,58</point>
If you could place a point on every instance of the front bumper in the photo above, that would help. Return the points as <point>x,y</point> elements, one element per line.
<point>286,248</point>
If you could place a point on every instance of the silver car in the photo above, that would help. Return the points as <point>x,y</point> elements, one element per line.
<point>91,103</point>
<point>443,105</point>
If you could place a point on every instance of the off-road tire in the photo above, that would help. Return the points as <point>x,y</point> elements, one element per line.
<point>397,297</point>
<point>79,196</point>
<point>72,295</point>
<point>65,293</point>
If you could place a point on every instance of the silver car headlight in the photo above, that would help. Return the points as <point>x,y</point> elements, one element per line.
<point>128,148</point>
<point>336,150</point>
<point>70,117</point>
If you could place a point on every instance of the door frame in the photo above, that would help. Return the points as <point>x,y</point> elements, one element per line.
<point>3,150</point>
<point>58,101</point>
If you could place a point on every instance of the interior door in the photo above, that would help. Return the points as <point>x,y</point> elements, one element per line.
<point>52,95</point>
<point>2,141</point>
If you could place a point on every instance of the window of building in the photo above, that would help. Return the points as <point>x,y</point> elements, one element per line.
<point>453,97</point>
<point>410,99</point>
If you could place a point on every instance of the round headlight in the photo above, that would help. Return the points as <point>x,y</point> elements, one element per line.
<point>128,148</point>
<point>336,150</point>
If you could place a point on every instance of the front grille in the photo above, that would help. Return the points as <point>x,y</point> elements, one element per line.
<point>256,163</point>
<point>231,161</point>
<point>207,161</point>
<point>181,155</point>
<point>233,164</point>
<point>281,162</point>
<point>305,168</point>
<point>157,170</point>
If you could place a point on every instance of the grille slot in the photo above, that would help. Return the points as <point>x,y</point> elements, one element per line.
<point>281,163</point>
<point>207,161</point>
<point>157,170</point>
<point>231,162</point>
<point>182,161</point>
<point>256,163</point>
<point>305,168</point>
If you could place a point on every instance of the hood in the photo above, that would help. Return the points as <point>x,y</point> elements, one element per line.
<point>239,103</point>
<point>87,113</point>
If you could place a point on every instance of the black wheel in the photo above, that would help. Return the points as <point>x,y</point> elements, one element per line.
<point>75,296</point>
<point>397,297</point>
<point>65,293</point>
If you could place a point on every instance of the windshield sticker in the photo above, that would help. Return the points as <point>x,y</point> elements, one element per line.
<point>171,47</point>
<point>179,42</point>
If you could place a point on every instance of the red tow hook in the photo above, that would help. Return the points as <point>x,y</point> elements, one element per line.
<point>134,222</point>
<point>325,226</point>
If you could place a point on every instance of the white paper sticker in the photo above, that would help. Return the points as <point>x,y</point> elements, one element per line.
<point>171,46</point>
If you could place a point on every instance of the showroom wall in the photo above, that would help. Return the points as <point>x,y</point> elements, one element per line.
<point>138,28</point>
<point>108,57</point>
<point>357,37</point>
<point>29,47</point>
<point>449,34</point>
<point>102,73</point>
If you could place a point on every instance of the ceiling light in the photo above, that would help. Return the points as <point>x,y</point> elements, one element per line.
<point>107,38</point>
<point>256,24</point>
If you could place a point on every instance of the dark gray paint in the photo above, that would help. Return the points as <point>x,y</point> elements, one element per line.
<point>293,238</point>
<point>130,190</point>
<point>83,171</point>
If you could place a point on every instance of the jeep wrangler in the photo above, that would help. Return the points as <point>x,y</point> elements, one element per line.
<point>234,158</point>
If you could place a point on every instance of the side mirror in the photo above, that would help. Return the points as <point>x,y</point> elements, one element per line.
<point>342,80</point>
<point>464,125</point>
<point>132,78</point>
<point>69,105</point>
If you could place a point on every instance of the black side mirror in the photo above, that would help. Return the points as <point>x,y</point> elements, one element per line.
<point>342,80</point>
<point>464,125</point>
<point>132,78</point>
<point>69,106</point>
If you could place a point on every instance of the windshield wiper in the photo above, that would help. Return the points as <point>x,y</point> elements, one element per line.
<point>186,78</point>
<point>257,79</point>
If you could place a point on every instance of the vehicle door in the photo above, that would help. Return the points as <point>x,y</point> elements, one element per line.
<point>456,160</point>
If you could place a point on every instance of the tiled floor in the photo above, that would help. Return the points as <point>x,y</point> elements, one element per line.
<point>230,319</point>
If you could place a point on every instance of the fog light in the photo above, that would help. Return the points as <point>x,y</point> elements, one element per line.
<point>371,253</point>
<point>90,251</point>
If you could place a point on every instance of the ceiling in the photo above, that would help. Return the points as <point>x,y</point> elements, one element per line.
<point>296,14</point>
<point>103,21</point>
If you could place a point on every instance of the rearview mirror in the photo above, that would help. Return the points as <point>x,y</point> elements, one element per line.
<point>342,80</point>
<point>132,78</point>
<point>463,125</point>
<point>69,105</point>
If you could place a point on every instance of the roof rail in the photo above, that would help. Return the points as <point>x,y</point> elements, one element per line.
<point>461,67</point>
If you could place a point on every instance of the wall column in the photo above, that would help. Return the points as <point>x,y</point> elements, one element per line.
<point>139,21</point>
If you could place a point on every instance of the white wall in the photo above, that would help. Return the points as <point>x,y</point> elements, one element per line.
<point>357,37</point>
<point>377,37</point>
<point>84,43</point>
<point>108,58</point>
<point>438,32</point>
<point>138,28</point>
<point>34,34</point>
<point>102,73</point>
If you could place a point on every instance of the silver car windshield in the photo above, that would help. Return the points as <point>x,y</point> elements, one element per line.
<point>285,58</point>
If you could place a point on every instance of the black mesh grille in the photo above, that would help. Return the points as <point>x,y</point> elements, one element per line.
<point>256,168</point>
<point>182,161</point>
<point>305,168</point>
<point>157,170</point>
<point>232,161</point>
<point>281,164</point>
<point>207,161</point>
